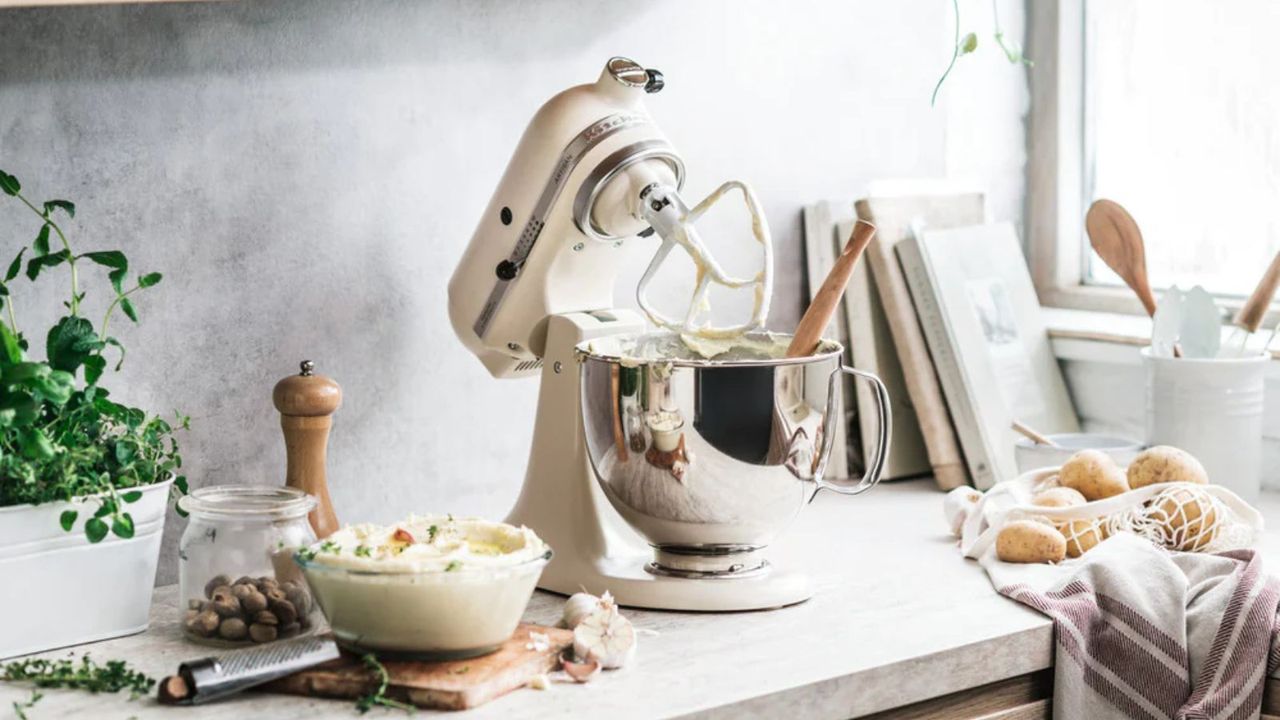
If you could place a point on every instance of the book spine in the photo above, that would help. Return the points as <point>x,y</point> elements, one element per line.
<point>946,364</point>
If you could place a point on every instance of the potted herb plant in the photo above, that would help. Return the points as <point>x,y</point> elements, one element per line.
<point>84,479</point>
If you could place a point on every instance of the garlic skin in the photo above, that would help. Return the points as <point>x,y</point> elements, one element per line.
<point>605,637</point>
<point>577,607</point>
<point>958,505</point>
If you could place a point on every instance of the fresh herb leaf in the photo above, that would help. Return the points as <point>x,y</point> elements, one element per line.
<point>108,258</point>
<point>70,342</point>
<point>67,519</point>
<point>41,245</point>
<point>9,184</point>
<point>95,529</point>
<point>15,267</point>
<point>150,280</point>
<point>132,496</point>
<point>36,264</point>
<point>307,554</point>
<point>363,551</point>
<point>65,205</point>
<point>122,526</point>
<point>127,306</point>
<point>329,546</point>
<point>453,565</point>
<point>431,533</point>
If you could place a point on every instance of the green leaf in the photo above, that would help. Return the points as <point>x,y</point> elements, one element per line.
<point>56,387</point>
<point>67,519</point>
<point>10,346</point>
<point>116,343</point>
<point>125,453</point>
<point>70,342</point>
<point>41,245</point>
<point>35,444</point>
<point>7,417</point>
<point>95,529</point>
<point>94,366</point>
<point>150,279</point>
<point>64,205</point>
<point>117,279</point>
<point>127,307</point>
<point>15,267</point>
<point>122,526</point>
<point>9,184</point>
<point>109,258</point>
<point>132,496</point>
<point>968,44</point>
<point>25,371</point>
<point>36,264</point>
<point>180,482</point>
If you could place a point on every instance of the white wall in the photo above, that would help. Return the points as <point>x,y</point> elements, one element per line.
<point>305,173</point>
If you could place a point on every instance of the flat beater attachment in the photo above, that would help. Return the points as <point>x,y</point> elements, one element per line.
<point>662,207</point>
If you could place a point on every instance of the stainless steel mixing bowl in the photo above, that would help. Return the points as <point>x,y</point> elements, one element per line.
<point>710,459</point>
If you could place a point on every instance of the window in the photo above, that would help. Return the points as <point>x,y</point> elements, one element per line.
<point>1171,108</point>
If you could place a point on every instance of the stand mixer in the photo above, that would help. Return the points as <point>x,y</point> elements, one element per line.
<point>662,479</point>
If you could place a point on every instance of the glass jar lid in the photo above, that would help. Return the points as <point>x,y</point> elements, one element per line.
<point>248,502</point>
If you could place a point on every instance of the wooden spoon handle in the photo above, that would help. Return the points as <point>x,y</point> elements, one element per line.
<point>815,320</point>
<point>1251,314</point>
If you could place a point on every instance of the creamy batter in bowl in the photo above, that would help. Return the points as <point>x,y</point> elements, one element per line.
<point>433,587</point>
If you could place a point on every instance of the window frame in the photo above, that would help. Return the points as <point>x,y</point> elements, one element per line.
<point>1058,180</point>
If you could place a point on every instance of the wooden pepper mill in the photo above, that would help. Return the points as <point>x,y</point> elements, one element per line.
<point>306,402</point>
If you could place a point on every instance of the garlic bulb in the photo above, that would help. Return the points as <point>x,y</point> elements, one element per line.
<point>577,607</point>
<point>605,636</point>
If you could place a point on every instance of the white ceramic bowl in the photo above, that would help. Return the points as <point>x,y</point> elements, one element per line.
<point>1031,456</point>
<point>434,614</point>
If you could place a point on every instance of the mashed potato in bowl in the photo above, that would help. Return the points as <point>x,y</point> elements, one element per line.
<point>430,586</point>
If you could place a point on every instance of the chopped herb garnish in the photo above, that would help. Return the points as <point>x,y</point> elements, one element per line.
<point>363,551</point>
<point>307,554</point>
<point>330,546</point>
<point>453,565</point>
<point>379,696</point>
<point>431,533</point>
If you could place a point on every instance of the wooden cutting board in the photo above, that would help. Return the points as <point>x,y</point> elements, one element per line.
<point>452,685</point>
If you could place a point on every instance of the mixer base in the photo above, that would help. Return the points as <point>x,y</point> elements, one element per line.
<point>633,586</point>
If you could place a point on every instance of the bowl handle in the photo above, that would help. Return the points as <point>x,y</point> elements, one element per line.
<point>884,416</point>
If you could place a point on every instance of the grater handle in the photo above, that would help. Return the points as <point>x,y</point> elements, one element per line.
<point>213,678</point>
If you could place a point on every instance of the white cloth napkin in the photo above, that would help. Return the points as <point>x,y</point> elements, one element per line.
<point>1142,632</point>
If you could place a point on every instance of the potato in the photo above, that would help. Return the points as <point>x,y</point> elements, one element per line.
<point>1161,464</point>
<point>1188,517</point>
<point>1093,474</point>
<point>1059,497</point>
<point>1082,535</point>
<point>1030,541</point>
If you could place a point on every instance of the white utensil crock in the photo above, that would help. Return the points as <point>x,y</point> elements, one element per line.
<point>1212,408</point>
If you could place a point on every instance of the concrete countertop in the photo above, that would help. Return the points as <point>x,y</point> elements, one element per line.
<point>899,616</point>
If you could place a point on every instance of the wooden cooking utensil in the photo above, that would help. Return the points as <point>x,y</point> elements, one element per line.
<point>1030,433</point>
<point>1115,236</point>
<point>1255,308</point>
<point>809,331</point>
<point>306,402</point>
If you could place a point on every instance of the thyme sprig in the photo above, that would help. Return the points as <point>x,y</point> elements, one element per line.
<point>379,695</point>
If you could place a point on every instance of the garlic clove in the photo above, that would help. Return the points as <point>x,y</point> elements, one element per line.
<point>581,672</point>
<point>606,637</point>
<point>577,607</point>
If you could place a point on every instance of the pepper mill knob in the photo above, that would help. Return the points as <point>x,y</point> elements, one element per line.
<point>306,402</point>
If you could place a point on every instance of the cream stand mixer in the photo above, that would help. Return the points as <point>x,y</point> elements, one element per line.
<point>665,516</point>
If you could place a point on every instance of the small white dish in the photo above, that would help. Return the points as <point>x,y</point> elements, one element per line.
<point>1032,456</point>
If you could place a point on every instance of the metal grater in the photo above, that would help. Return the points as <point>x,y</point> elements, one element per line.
<point>217,677</point>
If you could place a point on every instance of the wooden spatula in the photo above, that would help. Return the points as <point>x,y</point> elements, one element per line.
<point>815,320</point>
<point>1255,308</point>
<point>1115,236</point>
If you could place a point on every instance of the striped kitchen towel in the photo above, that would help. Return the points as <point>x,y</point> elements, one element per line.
<point>1141,632</point>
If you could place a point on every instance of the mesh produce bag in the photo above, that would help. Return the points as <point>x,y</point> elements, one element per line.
<point>1177,516</point>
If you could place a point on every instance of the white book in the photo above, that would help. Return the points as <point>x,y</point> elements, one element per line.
<point>981,319</point>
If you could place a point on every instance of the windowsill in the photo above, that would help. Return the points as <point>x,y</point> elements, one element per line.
<point>1108,336</point>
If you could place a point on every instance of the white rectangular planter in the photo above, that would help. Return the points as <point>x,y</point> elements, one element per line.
<point>58,589</point>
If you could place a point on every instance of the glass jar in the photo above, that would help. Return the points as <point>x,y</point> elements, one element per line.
<point>238,582</point>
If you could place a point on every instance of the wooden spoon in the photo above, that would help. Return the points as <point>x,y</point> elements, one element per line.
<point>1255,308</point>
<point>1033,435</point>
<point>815,320</point>
<point>1115,236</point>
